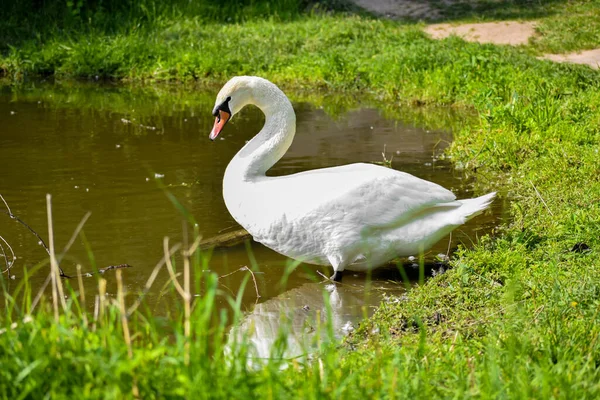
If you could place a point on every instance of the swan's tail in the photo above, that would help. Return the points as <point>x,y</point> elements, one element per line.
<point>472,207</point>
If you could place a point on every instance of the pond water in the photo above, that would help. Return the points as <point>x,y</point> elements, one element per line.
<point>109,149</point>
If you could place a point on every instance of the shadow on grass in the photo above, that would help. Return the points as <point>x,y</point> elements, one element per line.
<point>454,10</point>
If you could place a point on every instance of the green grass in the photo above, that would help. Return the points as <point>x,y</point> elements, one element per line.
<point>574,27</point>
<point>518,316</point>
<point>297,46</point>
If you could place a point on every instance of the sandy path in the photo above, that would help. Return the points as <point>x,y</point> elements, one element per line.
<point>588,57</point>
<point>508,32</point>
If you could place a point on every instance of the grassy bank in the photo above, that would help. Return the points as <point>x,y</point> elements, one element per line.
<point>517,317</point>
<point>296,41</point>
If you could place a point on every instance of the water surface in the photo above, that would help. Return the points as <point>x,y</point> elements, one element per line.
<point>109,150</point>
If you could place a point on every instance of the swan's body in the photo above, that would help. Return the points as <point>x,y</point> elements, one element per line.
<point>354,217</point>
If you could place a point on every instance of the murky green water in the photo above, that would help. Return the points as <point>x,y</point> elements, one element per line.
<point>108,149</point>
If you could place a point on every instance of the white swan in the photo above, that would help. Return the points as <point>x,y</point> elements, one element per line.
<point>354,217</point>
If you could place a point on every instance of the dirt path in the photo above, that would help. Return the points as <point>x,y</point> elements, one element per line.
<point>588,57</point>
<point>502,33</point>
<point>508,32</point>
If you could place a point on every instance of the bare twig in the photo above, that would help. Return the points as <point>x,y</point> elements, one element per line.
<point>540,197</point>
<point>40,240</point>
<point>228,228</point>
<point>100,271</point>
<point>110,267</point>
<point>10,263</point>
<point>328,279</point>
<point>228,289</point>
<point>324,277</point>
<point>4,256</point>
<point>6,204</point>
<point>255,284</point>
<point>234,272</point>
<point>226,239</point>
<point>67,247</point>
<point>245,268</point>
<point>19,220</point>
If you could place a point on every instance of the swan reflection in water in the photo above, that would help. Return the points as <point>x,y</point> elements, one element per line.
<point>297,322</point>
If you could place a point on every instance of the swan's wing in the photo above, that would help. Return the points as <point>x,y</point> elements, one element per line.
<point>387,197</point>
<point>366,194</point>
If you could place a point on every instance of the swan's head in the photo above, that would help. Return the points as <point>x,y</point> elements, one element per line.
<point>231,99</point>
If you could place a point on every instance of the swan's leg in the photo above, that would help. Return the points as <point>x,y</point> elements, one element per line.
<point>338,268</point>
<point>337,276</point>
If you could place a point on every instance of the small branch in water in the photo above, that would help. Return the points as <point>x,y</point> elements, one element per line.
<point>228,228</point>
<point>6,204</point>
<point>120,266</point>
<point>40,240</point>
<point>324,277</point>
<point>58,258</point>
<point>13,258</point>
<point>4,255</point>
<point>228,239</point>
<point>328,279</point>
<point>13,216</point>
<point>245,268</point>
<point>100,271</point>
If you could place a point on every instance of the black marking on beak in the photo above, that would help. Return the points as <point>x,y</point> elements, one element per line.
<point>224,106</point>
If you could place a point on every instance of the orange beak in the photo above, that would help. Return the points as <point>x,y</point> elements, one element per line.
<point>220,122</point>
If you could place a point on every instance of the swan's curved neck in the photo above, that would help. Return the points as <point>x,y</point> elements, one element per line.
<point>271,143</point>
